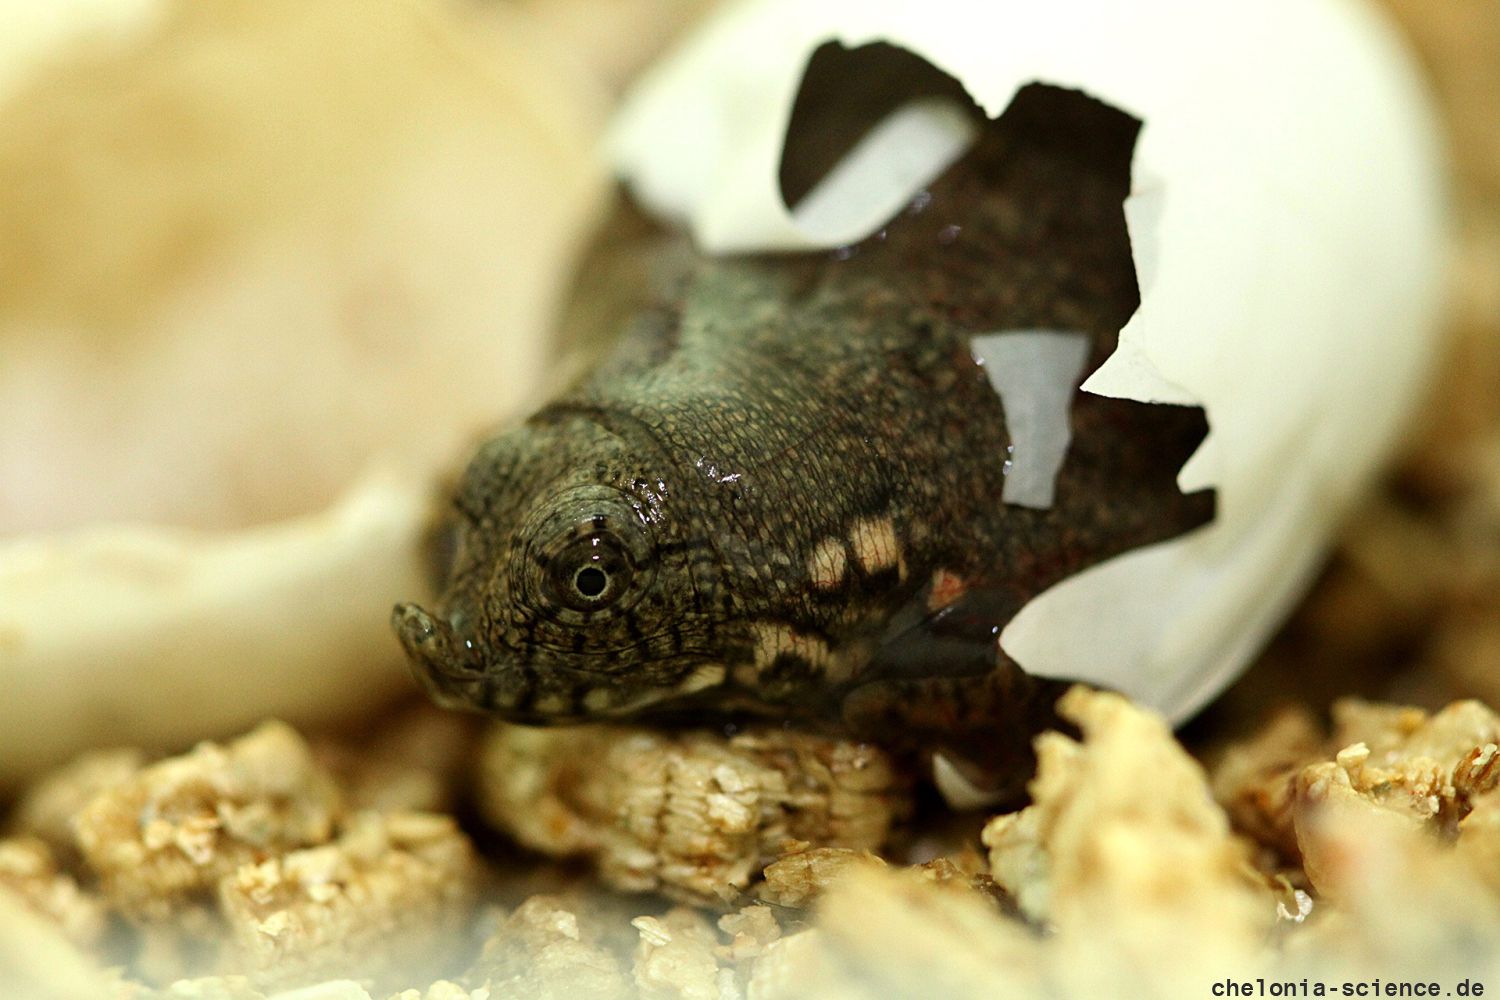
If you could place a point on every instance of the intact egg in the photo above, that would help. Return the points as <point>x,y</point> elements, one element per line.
<point>1287,220</point>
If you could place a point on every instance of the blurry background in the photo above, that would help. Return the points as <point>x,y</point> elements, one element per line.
<point>244,247</point>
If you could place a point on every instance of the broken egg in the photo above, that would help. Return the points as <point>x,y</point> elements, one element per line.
<point>1288,228</point>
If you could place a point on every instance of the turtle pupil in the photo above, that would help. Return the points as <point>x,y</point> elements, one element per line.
<point>591,581</point>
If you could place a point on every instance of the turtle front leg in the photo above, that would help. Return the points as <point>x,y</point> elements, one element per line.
<point>975,732</point>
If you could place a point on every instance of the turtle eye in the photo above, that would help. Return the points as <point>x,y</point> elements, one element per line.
<point>590,573</point>
<point>584,556</point>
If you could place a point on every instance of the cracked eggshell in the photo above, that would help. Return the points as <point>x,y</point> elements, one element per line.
<point>1287,219</point>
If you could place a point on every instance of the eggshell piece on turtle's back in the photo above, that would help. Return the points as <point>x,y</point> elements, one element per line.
<point>1288,225</point>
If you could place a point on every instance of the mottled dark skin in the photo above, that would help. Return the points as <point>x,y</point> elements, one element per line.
<point>763,420</point>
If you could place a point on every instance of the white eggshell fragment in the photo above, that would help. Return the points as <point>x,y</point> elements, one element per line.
<point>123,635</point>
<point>1287,221</point>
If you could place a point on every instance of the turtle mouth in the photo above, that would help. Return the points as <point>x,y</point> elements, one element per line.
<point>455,675</point>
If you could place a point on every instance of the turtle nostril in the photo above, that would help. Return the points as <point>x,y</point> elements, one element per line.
<point>430,642</point>
<point>417,630</point>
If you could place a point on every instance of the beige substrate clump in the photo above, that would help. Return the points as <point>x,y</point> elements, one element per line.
<point>693,815</point>
<point>30,872</point>
<point>384,898</point>
<point>1372,850</point>
<point>1401,770</point>
<point>174,829</point>
<point>250,859</point>
<point>1142,887</point>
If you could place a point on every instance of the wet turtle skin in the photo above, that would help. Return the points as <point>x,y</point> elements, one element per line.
<point>780,493</point>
